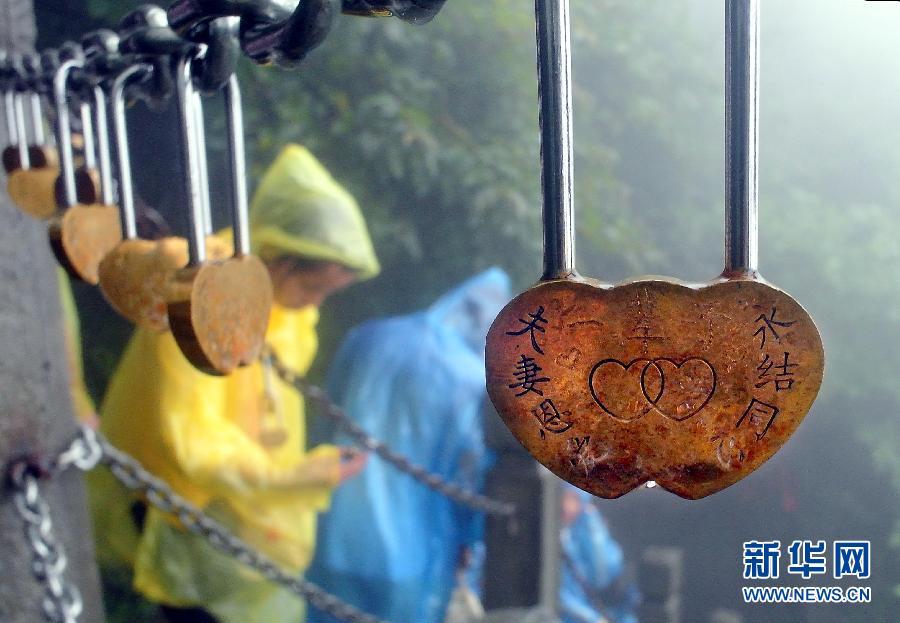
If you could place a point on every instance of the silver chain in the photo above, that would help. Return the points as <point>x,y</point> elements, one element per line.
<point>63,603</point>
<point>457,493</point>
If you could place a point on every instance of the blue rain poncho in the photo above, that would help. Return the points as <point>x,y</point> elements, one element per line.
<point>389,545</point>
<point>598,563</point>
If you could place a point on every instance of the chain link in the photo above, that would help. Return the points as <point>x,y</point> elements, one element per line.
<point>62,601</point>
<point>457,493</point>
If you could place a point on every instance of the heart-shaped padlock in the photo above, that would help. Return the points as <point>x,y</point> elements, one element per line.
<point>81,234</point>
<point>32,166</point>
<point>690,386</point>
<point>136,274</point>
<point>218,310</point>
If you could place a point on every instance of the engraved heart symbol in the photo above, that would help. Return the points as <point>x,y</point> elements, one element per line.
<point>691,386</point>
<point>675,390</point>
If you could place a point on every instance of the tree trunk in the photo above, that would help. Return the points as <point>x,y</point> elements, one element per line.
<point>35,408</point>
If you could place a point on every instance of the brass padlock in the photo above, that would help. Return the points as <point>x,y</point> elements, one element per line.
<point>218,310</point>
<point>80,234</point>
<point>136,274</point>
<point>690,386</point>
<point>34,167</point>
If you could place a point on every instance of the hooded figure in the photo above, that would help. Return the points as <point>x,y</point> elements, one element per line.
<point>390,545</point>
<point>235,445</point>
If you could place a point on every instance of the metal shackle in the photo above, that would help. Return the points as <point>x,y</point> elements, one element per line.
<point>18,114</point>
<point>8,88</point>
<point>187,118</point>
<point>123,154</point>
<point>32,65</point>
<point>63,125</point>
<point>741,136</point>
<point>555,95</point>
<point>101,53</point>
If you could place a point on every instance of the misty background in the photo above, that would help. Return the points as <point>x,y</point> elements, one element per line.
<point>434,129</point>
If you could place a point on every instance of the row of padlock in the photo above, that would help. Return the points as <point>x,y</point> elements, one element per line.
<point>213,295</point>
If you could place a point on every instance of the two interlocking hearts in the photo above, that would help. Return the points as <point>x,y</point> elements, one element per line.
<point>676,390</point>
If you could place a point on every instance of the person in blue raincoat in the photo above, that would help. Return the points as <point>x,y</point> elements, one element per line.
<point>389,545</point>
<point>593,588</point>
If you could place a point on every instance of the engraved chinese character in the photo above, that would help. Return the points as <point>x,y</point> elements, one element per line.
<point>783,379</point>
<point>769,325</point>
<point>532,326</point>
<point>761,415</point>
<point>527,378</point>
<point>550,418</point>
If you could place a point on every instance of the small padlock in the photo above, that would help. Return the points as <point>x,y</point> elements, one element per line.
<point>87,172</point>
<point>691,386</point>
<point>41,152</point>
<point>136,274</point>
<point>30,184</point>
<point>218,310</point>
<point>81,234</point>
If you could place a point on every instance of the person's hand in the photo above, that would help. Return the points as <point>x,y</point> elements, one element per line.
<point>352,462</point>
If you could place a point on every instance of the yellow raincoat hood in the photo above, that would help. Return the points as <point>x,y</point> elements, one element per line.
<point>299,209</point>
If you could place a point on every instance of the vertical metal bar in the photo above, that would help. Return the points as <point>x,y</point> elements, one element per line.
<point>64,132</point>
<point>235,119</point>
<point>123,154</point>
<point>187,117</point>
<point>741,135</point>
<point>19,114</point>
<point>9,115</point>
<point>555,94</point>
<point>101,124</point>
<point>202,162</point>
<point>37,119</point>
<point>87,135</point>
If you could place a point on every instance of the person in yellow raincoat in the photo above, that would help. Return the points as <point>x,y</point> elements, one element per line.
<point>82,405</point>
<point>235,446</point>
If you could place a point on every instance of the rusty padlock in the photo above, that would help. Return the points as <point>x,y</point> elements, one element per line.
<point>218,310</point>
<point>80,234</point>
<point>34,168</point>
<point>136,274</point>
<point>690,386</point>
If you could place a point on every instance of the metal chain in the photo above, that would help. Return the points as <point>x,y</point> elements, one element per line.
<point>457,493</point>
<point>62,601</point>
